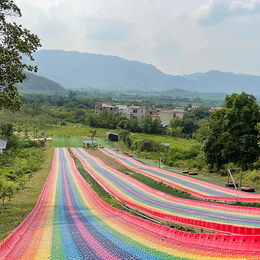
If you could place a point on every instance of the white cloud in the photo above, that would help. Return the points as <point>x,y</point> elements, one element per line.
<point>218,10</point>
<point>239,7</point>
<point>180,13</point>
<point>165,33</point>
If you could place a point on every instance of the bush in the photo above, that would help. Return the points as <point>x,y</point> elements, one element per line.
<point>31,143</point>
<point>151,146</point>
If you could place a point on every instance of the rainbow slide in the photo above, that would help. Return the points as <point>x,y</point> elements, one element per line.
<point>198,188</point>
<point>211,216</point>
<point>70,221</point>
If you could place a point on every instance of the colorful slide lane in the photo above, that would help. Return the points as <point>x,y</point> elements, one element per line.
<point>198,188</point>
<point>70,221</point>
<point>218,217</point>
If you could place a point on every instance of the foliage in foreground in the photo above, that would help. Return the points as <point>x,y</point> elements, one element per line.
<point>14,42</point>
<point>230,136</point>
<point>18,162</point>
<point>22,203</point>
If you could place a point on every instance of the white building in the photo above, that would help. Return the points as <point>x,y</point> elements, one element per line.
<point>137,112</point>
<point>166,115</point>
<point>122,107</point>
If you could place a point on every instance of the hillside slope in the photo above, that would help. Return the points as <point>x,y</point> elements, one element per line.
<point>36,83</point>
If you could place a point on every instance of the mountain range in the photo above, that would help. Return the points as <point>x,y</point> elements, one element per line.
<point>73,69</point>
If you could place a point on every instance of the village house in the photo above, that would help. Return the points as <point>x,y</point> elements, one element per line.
<point>100,107</point>
<point>151,112</point>
<point>138,112</point>
<point>193,107</point>
<point>166,115</point>
<point>212,109</point>
<point>122,108</point>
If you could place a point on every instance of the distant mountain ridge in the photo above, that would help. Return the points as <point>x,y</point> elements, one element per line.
<point>228,82</point>
<point>73,69</point>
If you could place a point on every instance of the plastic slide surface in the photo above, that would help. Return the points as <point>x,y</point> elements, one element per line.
<point>212,216</point>
<point>71,222</point>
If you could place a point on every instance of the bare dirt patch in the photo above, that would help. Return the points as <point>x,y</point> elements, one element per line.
<point>107,160</point>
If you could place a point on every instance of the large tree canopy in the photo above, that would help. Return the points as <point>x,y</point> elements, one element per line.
<point>15,41</point>
<point>230,135</point>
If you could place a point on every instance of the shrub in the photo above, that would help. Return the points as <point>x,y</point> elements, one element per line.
<point>31,143</point>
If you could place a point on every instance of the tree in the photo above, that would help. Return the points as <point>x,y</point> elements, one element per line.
<point>192,119</point>
<point>125,136</point>
<point>93,132</point>
<point>188,125</point>
<point>15,41</point>
<point>175,122</point>
<point>6,130</point>
<point>232,132</point>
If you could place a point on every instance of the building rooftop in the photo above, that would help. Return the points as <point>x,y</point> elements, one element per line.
<point>137,107</point>
<point>3,144</point>
<point>110,133</point>
<point>172,111</point>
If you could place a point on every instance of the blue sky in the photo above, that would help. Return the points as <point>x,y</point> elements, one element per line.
<point>177,36</point>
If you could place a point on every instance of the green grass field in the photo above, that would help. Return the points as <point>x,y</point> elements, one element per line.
<point>174,142</point>
<point>72,130</point>
<point>67,142</point>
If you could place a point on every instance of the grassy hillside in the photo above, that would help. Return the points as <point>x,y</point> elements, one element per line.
<point>38,84</point>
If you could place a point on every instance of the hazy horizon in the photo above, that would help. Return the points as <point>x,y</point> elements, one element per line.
<point>177,37</point>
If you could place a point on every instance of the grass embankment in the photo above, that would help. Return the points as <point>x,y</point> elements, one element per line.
<point>22,203</point>
<point>158,185</point>
<point>99,190</point>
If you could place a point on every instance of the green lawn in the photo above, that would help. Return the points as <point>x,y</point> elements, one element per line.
<point>174,142</point>
<point>67,142</point>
